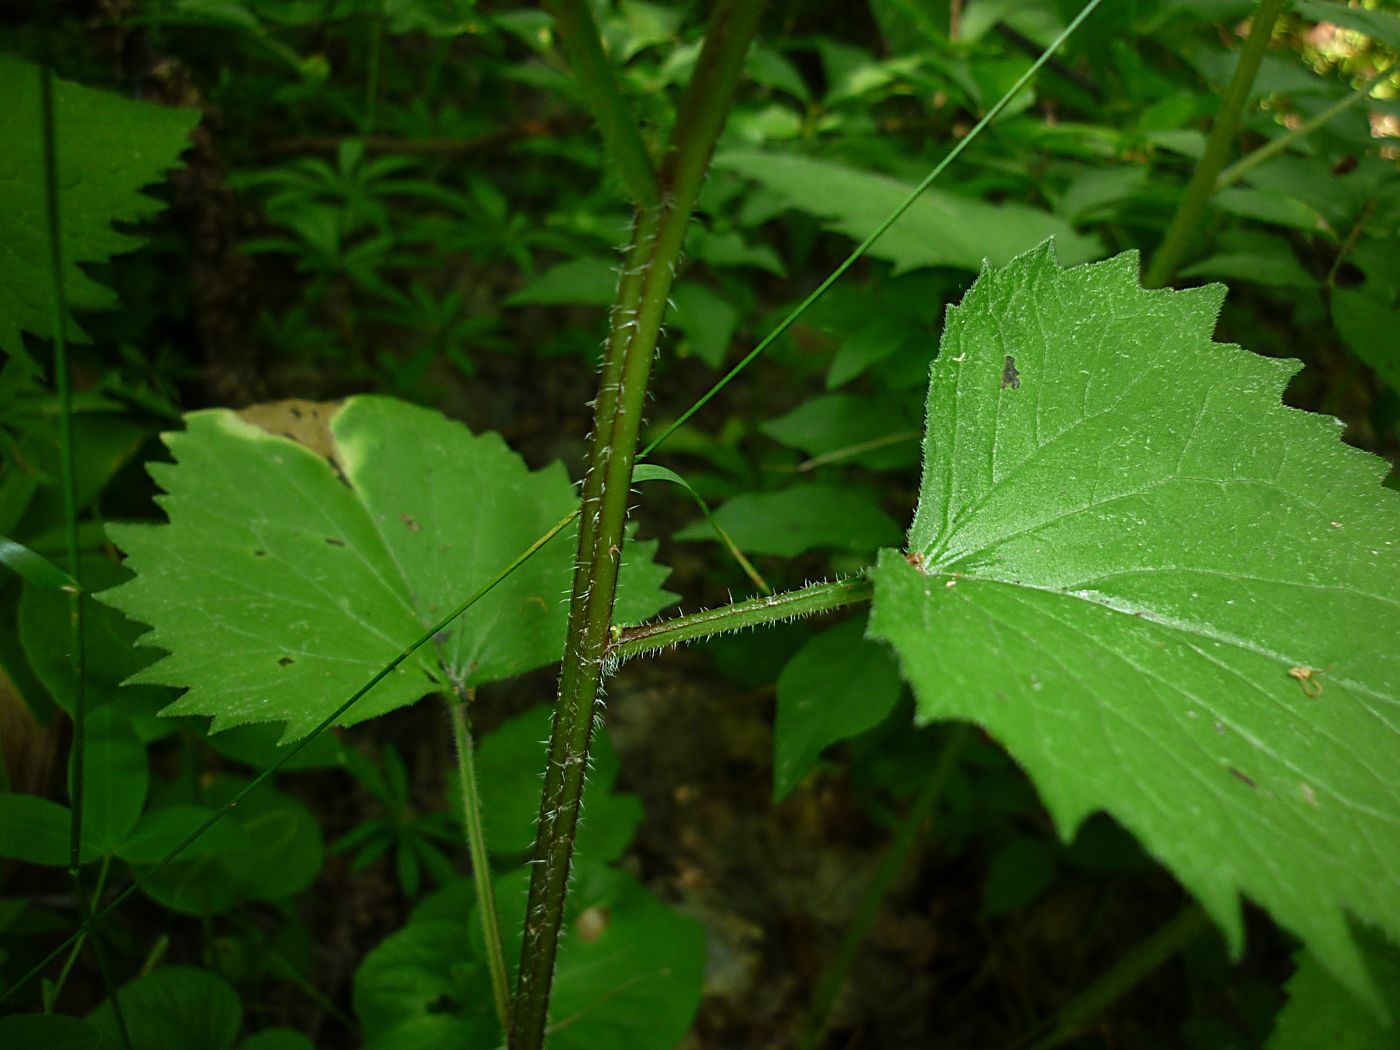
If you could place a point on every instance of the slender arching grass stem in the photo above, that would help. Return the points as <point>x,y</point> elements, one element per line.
<point>58,313</point>
<point>1193,205</point>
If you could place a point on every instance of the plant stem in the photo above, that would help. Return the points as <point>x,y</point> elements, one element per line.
<point>58,318</point>
<point>756,612</point>
<point>1222,134</point>
<point>834,979</point>
<point>878,232</point>
<point>1126,974</point>
<point>636,324</point>
<point>481,863</point>
<point>838,454</point>
<point>622,138</point>
<point>76,636</point>
<point>1274,147</point>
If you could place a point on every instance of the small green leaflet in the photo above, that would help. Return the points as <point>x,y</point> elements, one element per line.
<point>287,578</point>
<point>1169,596</point>
<point>108,148</point>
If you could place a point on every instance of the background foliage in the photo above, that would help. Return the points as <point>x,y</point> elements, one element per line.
<point>332,198</point>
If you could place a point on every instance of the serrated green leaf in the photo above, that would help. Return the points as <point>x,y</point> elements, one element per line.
<point>108,148</point>
<point>940,229</point>
<point>278,588</point>
<point>1169,596</point>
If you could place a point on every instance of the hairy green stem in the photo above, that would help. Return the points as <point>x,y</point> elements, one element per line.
<point>1274,147</point>
<point>583,47</point>
<point>481,860</point>
<point>834,979</point>
<point>1192,209</point>
<point>1126,974</point>
<point>756,612</point>
<point>636,324</point>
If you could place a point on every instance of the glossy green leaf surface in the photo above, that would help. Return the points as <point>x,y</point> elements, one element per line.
<point>108,148</point>
<point>1169,596</point>
<point>940,229</point>
<point>286,579</point>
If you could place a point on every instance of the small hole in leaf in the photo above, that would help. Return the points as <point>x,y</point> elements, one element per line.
<point>283,661</point>
<point>335,542</point>
<point>260,554</point>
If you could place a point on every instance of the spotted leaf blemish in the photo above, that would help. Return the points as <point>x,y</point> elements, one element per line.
<point>1010,375</point>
